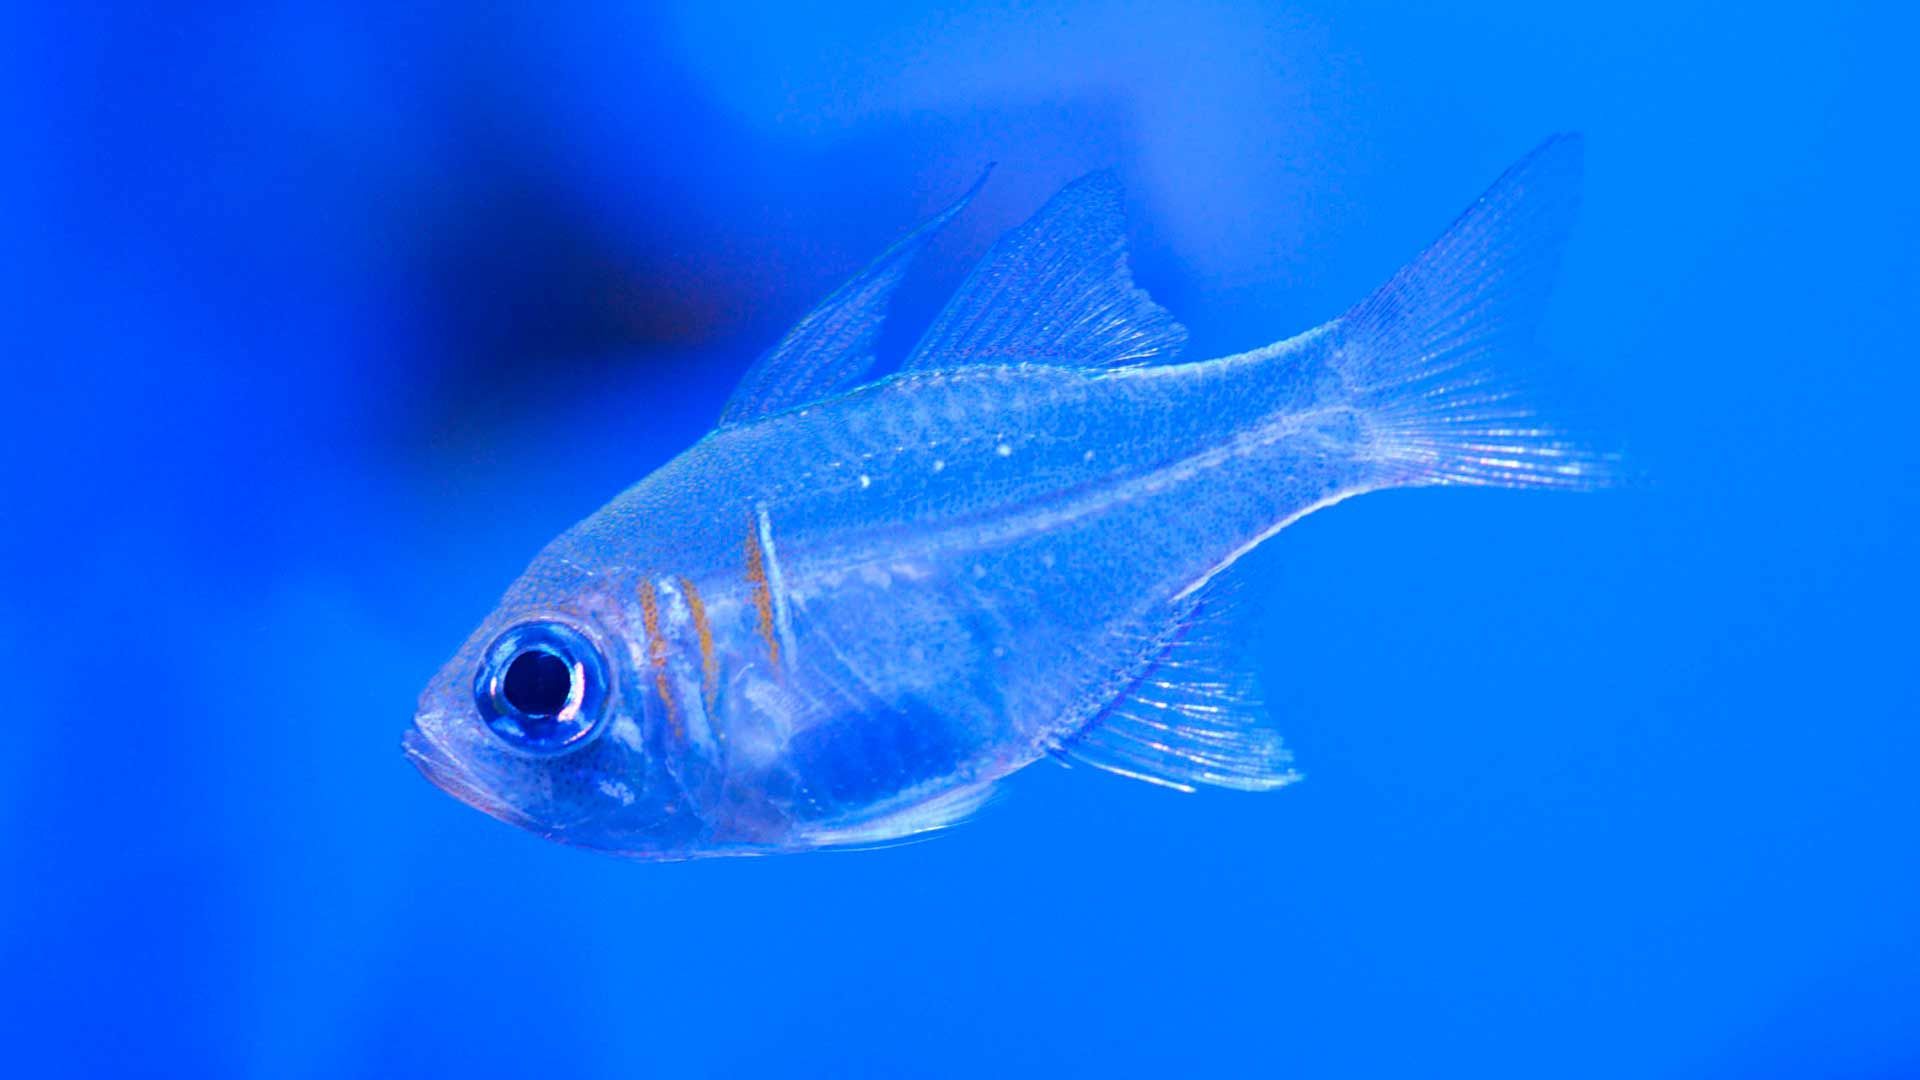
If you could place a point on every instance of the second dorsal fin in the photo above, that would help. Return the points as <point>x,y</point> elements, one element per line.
<point>1056,290</point>
<point>831,347</point>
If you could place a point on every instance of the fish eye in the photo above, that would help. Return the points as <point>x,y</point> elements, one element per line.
<point>542,687</point>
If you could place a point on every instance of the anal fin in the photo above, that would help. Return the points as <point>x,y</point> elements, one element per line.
<point>1194,717</point>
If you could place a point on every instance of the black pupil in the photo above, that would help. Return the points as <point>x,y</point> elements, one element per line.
<point>537,683</point>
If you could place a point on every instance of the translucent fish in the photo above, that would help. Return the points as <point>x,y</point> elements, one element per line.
<point>852,609</point>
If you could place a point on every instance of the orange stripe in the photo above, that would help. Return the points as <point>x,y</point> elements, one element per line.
<point>762,593</point>
<point>657,652</point>
<point>709,667</point>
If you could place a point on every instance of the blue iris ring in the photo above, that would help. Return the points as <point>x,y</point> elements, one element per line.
<point>542,687</point>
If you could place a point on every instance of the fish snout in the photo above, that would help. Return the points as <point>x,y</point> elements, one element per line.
<point>420,750</point>
<point>448,773</point>
<point>439,767</point>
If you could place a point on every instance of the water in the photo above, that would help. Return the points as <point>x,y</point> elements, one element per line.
<point>323,320</point>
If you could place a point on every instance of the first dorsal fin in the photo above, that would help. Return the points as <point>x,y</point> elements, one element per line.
<point>831,347</point>
<point>1056,290</point>
<point>1195,717</point>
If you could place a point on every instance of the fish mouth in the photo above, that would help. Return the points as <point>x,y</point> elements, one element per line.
<point>444,772</point>
<point>427,757</point>
<point>434,763</point>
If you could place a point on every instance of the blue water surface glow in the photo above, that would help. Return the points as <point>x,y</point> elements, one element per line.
<point>323,318</point>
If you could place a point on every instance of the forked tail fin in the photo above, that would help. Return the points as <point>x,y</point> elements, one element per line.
<point>1415,356</point>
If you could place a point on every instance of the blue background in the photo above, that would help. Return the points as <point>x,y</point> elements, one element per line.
<point>321,319</point>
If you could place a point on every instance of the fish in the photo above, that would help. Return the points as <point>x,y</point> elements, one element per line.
<point>849,612</point>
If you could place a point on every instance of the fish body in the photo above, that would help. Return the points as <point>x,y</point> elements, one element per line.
<point>850,610</point>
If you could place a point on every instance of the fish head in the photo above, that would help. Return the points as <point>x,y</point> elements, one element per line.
<point>542,721</point>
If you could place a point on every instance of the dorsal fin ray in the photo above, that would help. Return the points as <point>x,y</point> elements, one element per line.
<point>1056,290</point>
<point>831,347</point>
<point>1194,717</point>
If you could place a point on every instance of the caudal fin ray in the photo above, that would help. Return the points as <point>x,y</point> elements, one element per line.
<point>1422,355</point>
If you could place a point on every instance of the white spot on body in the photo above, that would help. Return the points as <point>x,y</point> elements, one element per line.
<point>1088,456</point>
<point>865,481</point>
<point>770,713</point>
<point>625,732</point>
<point>938,465</point>
<point>1003,450</point>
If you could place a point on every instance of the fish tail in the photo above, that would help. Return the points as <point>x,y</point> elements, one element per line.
<point>1417,357</point>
